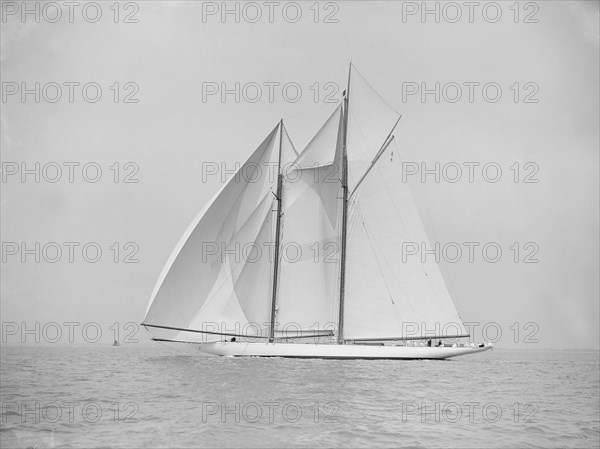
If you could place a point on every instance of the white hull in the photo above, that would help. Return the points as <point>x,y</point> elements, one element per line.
<point>334,351</point>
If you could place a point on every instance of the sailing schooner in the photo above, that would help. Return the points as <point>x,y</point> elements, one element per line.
<point>340,198</point>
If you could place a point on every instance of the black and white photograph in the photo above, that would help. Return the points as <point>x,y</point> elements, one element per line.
<point>300,224</point>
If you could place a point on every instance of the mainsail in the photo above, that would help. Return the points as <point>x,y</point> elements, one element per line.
<point>387,296</point>
<point>219,280</point>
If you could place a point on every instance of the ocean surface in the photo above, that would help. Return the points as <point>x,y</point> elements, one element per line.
<point>134,396</point>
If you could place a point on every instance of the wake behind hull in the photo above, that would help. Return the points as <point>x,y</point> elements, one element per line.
<point>334,351</point>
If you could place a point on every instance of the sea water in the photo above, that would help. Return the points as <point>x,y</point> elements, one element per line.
<point>134,396</point>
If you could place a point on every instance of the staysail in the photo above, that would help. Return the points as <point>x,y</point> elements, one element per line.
<point>309,274</point>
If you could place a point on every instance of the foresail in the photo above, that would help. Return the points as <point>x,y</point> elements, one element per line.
<point>214,280</point>
<point>309,267</point>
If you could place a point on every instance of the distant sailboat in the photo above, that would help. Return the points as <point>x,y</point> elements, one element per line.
<point>338,197</point>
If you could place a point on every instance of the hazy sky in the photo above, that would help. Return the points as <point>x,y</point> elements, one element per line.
<point>172,130</point>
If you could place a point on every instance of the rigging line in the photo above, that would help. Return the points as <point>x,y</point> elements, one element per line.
<point>375,91</point>
<point>398,212</point>
<point>387,287</point>
<point>357,124</point>
<point>196,331</point>
<point>395,205</point>
<point>354,206</point>
<point>163,342</point>
<point>424,196</point>
<point>419,184</point>
<point>379,266</point>
<point>404,296</point>
<point>311,110</point>
<point>289,139</point>
<point>388,140</point>
<point>377,156</point>
<point>386,143</point>
<point>422,265</point>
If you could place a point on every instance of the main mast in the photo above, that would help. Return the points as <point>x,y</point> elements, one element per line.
<point>344,212</point>
<point>277,237</point>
